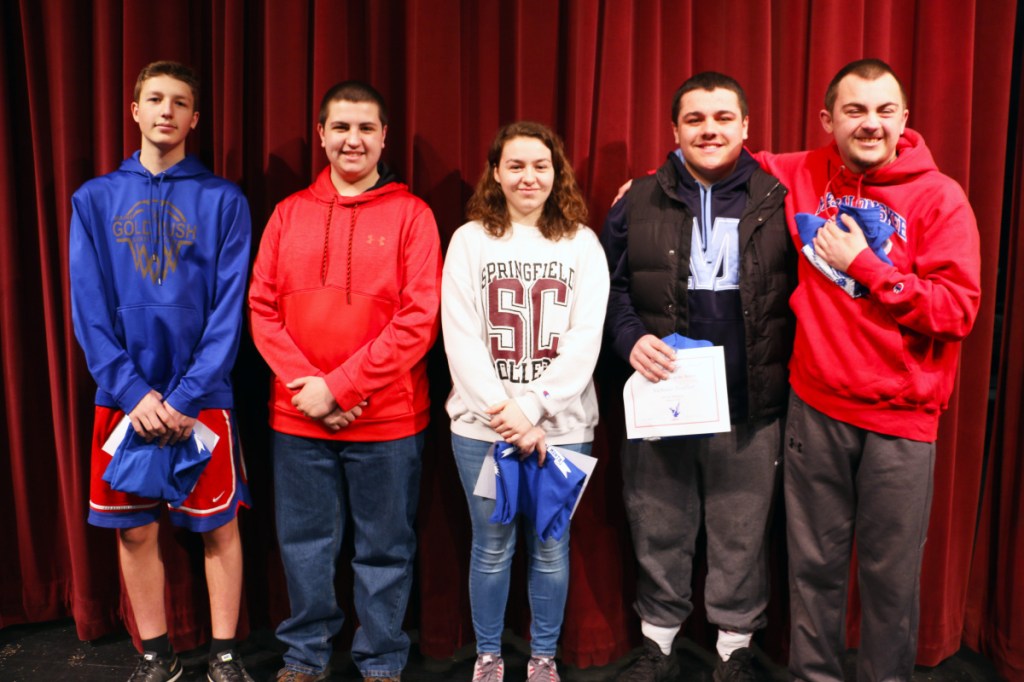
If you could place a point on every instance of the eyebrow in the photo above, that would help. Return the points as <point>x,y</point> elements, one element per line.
<point>865,106</point>
<point>713,113</point>
<point>352,123</point>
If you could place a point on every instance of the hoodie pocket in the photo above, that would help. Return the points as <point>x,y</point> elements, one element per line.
<point>160,339</point>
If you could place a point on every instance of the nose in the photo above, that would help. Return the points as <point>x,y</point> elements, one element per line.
<point>352,137</point>
<point>167,108</point>
<point>528,174</point>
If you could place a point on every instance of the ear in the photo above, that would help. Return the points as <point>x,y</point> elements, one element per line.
<point>494,172</point>
<point>320,131</point>
<point>746,126</point>
<point>135,111</point>
<point>826,120</point>
<point>383,136</point>
<point>675,134</point>
<point>903,123</point>
<point>195,120</point>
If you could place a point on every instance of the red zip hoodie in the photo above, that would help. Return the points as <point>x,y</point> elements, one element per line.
<point>885,361</point>
<point>348,288</point>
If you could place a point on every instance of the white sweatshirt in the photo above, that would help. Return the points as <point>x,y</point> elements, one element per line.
<point>522,318</point>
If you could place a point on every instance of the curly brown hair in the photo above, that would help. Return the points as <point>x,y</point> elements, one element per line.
<point>564,210</point>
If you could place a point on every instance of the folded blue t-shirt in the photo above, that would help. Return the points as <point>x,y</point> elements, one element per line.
<point>544,495</point>
<point>875,231</point>
<point>160,473</point>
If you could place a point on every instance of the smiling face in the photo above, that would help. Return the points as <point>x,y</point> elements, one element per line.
<point>165,112</point>
<point>866,121</point>
<point>353,138</point>
<point>710,131</point>
<point>526,175</point>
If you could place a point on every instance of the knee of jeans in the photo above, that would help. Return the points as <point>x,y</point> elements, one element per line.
<point>551,556</point>
<point>493,558</point>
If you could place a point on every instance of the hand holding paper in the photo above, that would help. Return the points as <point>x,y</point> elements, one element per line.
<point>693,400</point>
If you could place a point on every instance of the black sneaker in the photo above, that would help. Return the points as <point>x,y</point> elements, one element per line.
<point>651,666</point>
<point>227,667</point>
<point>741,667</point>
<point>153,668</point>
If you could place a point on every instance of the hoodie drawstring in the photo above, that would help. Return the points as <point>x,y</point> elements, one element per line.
<point>351,236</point>
<point>327,237</point>
<point>348,260</point>
<point>833,211</point>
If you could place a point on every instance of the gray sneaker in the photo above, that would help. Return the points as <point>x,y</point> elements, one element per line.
<point>542,669</point>
<point>488,668</point>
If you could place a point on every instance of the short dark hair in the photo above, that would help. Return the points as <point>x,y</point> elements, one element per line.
<point>176,71</point>
<point>869,69</point>
<point>708,80</point>
<point>353,91</point>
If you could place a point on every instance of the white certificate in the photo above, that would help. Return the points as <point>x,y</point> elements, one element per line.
<point>693,400</point>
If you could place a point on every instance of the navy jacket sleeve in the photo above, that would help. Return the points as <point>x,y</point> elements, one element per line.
<point>622,325</point>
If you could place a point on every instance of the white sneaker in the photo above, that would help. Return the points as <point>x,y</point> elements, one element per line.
<point>542,669</point>
<point>489,668</point>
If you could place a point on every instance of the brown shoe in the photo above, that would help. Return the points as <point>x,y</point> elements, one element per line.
<point>289,675</point>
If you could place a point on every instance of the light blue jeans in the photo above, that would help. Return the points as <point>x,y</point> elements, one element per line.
<point>491,559</point>
<point>318,484</point>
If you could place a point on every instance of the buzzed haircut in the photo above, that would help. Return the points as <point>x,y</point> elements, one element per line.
<point>175,70</point>
<point>353,91</point>
<point>708,80</point>
<point>868,69</point>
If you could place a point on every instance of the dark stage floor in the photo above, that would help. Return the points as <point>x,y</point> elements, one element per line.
<point>52,652</point>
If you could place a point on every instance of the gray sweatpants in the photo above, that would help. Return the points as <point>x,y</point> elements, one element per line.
<point>667,484</point>
<point>846,484</point>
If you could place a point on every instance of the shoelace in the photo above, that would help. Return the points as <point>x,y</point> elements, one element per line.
<point>542,669</point>
<point>489,668</point>
<point>147,665</point>
<point>230,668</point>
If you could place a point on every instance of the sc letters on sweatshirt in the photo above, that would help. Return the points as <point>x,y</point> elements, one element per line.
<point>525,301</point>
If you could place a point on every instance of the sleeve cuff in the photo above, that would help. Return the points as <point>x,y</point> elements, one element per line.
<point>131,396</point>
<point>531,407</point>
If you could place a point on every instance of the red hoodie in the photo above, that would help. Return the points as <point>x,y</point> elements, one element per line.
<point>348,288</point>
<point>885,361</point>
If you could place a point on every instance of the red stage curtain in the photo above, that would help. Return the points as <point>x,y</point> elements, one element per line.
<point>995,600</point>
<point>602,74</point>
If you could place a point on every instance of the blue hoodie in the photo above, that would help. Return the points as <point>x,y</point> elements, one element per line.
<point>159,309</point>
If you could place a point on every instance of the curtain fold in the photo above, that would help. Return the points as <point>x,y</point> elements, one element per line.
<point>602,74</point>
<point>995,598</point>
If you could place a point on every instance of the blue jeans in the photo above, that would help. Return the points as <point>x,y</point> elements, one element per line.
<point>491,558</point>
<point>318,484</point>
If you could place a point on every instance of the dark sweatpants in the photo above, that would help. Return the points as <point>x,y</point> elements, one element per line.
<point>665,485</point>
<point>843,482</point>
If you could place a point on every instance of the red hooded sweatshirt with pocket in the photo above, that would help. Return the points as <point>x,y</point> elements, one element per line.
<point>348,289</point>
<point>886,360</point>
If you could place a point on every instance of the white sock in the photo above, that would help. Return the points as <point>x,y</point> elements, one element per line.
<point>729,642</point>
<point>663,637</point>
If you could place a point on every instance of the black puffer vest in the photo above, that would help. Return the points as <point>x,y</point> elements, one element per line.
<point>659,239</point>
